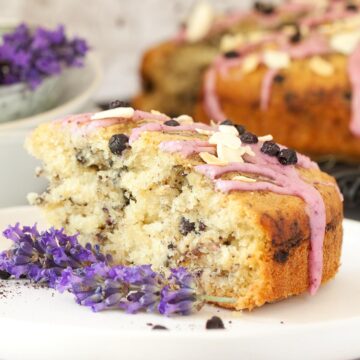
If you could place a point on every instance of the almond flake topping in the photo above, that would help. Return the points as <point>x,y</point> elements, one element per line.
<point>185,119</point>
<point>250,63</point>
<point>345,43</point>
<point>204,132</point>
<point>199,22</point>
<point>230,42</point>
<point>265,138</point>
<point>211,159</point>
<point>228,129</point>
<point>320,66</point>
<point>275,59</point>
<point>120,112</point>
<point>243,178</point>
<point>230,155</point>
<point>226,139</point>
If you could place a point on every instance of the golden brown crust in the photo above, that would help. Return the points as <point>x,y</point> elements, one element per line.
<point>285,265</point>
<point>306,111</point>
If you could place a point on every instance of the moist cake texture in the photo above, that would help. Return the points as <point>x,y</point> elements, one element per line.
<point>254,220</point>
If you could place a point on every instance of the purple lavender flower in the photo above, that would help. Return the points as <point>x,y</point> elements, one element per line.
<point>42,256</point>
<point>133,289</point>
<point>30,56</point>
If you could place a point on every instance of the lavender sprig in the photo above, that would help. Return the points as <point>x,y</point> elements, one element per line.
<point>61,262</point>
<point>42,256</point>
<point>31,55</point>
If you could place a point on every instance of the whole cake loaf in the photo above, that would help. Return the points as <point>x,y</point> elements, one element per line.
<point>254,220</point>
<point>298,81</point>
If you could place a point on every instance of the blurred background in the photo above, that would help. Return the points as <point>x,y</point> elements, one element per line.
<point>119,30</point>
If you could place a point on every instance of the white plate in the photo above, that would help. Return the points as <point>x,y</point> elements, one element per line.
<point>41,324</point>
<point>79,90</point>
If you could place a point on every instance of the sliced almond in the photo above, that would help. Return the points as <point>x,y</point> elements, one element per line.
<point>230,42</point>
<point>243,178</point>
<point>265,138</point>
<point>229,155</point>
<point>211,159</point>
<point>185,119</point>
<point>228,129</point>
<point>155,112</point>
<point>120,112</point>
<point>275,59</point>
<point>248,150</point>
<point>345,43</point>
<point>204,132</point>
<point>228,140</point>
<point>320,66</point>
<point>199,21</point>
<point>250,63</point>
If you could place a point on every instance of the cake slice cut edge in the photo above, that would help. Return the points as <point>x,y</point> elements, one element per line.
<point>149,206</point>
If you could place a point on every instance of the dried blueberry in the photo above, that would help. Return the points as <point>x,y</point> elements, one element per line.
<point>287,157</point>
<point>249,138</point>
<point>171,122</point>
<point>215,323</point>
<point>186,226</point>
<point>270,148</point>
<point>264,8</point>
<point>240,128</point>
<point>227,122</point>
<point>279,78</point>
<point>296,36</point>
<point>232,54</point>
<point>118,143</point>
<point>118,103</point>
<point>351,7</point>
<point>4,275</point>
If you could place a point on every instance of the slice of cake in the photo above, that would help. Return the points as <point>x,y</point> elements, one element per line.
<point>256,221</point>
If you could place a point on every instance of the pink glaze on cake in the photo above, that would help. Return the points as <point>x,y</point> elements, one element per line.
<point>266,88</point>
<point>187,147</point>
<point>283,180</point>
<point>135,134</point>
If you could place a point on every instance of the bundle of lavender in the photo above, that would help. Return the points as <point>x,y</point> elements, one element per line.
<point>58,260</point>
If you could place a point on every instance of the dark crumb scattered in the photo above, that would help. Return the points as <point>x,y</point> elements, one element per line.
<point>348,95</point>
<point>281,322</point>
<point>186,226</point>
<point>118,143</point>
<point>171,122</point>
<point>351,7</point>
<point>149,324</point>
<point>4,275</point>
<point>159,327</point>
<point>296,36</point>
<point>230,322</point>
<point>215,323</point>
<point>171,246</point>
<point>264,8</point>
<point>249,138</point>
<point>118,103</point>
<point>279,78</point>
<point>202,226</point>
<point>231,54</point>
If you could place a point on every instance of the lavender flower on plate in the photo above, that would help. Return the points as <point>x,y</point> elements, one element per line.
<point>42,256</point>
<point>29,55</point>
<point>61,262</point>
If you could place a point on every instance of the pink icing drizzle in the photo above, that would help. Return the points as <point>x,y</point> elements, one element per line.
<point>286,181</point>
<point>354,75</point>
<point>161,127</point>
<point>266,88</point>
<point>187,148</point>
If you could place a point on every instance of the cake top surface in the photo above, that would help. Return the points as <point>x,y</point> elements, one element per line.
<point>233,159</point>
